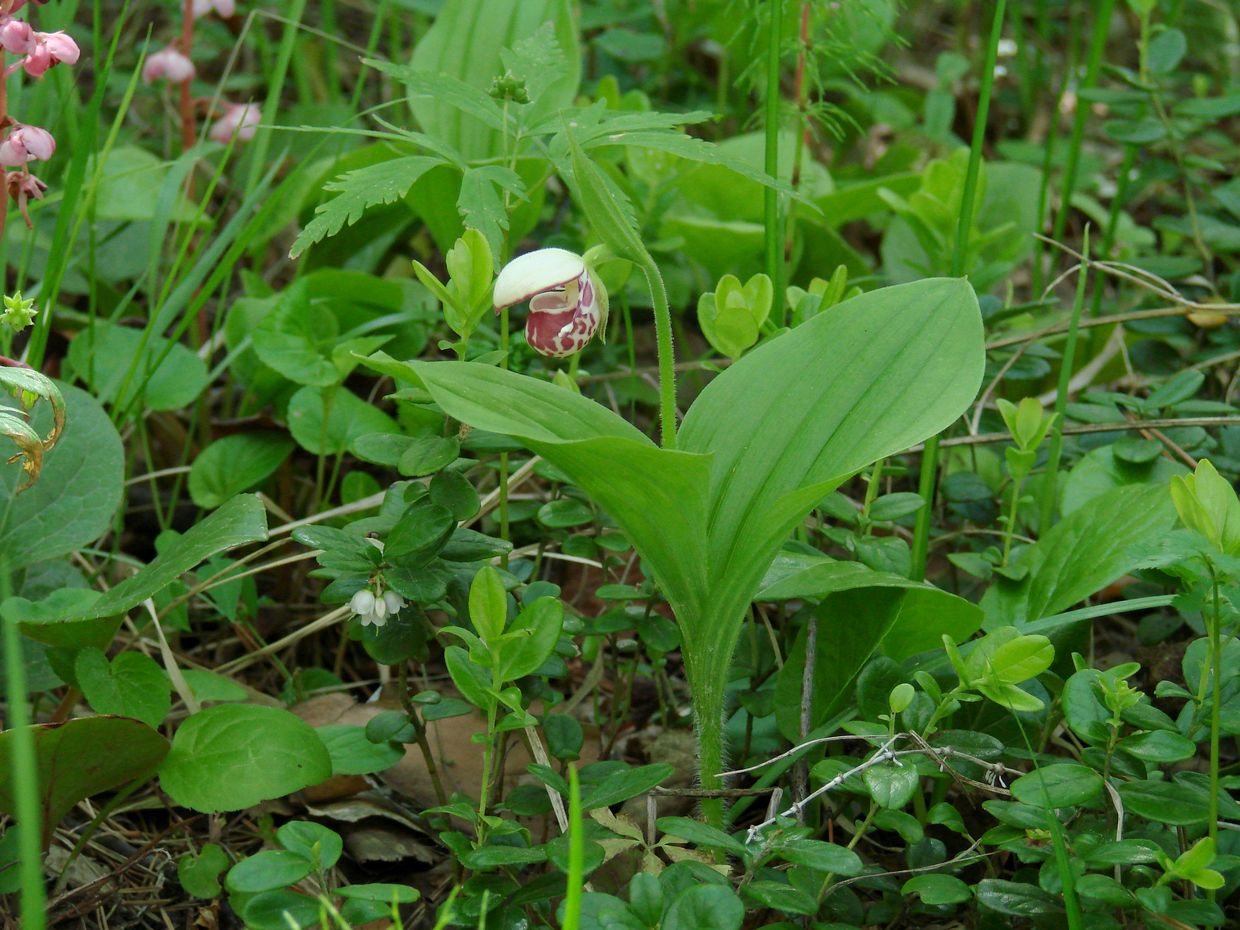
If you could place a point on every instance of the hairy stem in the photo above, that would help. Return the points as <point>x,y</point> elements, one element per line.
<point>666,352</point>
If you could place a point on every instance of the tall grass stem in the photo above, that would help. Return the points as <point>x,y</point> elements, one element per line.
<point>964,224</point>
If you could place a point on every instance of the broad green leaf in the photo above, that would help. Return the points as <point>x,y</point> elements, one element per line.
<point>234,464</point>
<point>353,754</point>
<point>455,47</point>
<point>653,494</point>
<point>1101,471</point>
<point>131,685</point>
<point>242,520</point>
<point>78,490</point>
<point>534,635</point>
<point>267,871</point>
<point>705,907</point>
<point>80,758</point>
<point>938,889</point>
<point>326,421</point>
<point>104,355</point>
<point>200,875</point>
<point>321,845</point>
<point>1081,555</point>
<point>295,338</point>
<point>797,416</point>
<point>861,612</point>
<point>233,756</point>
<point>1060,785</point>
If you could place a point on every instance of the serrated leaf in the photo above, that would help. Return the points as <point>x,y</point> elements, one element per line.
<point>358,190</point>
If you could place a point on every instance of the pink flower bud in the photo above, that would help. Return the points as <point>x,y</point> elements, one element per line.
<point>168,64</point>
<point>61,46</point>
<point>239,118</point>
<point>50,48</point>
<point>25,144</point>
<point>225,8</point>
<point>17,37</point>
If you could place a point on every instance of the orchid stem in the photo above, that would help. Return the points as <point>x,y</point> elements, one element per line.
<point>666,352</point>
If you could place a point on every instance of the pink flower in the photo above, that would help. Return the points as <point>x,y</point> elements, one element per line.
<point>50,48</point>
<point>168,64</point>
<point>17,37</point>
<point>25,144</point>
<point>225,8</point>
<point>239,118</point>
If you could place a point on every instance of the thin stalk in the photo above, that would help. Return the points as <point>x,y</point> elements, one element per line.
<point>774,233</point>
<point>1047,511</point>
<point>576,854</point>
<point>1098,44</point>
<point>1216,662</point>
<point>666,351</point>
<point>504,531</point>
<point>930,458</point>
<point>25,777</point>
<point>275,88</point>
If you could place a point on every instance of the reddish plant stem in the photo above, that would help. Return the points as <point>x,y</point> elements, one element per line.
<point>188,128</point>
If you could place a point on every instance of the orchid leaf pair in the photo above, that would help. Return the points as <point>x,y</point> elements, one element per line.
<point>760,447</point>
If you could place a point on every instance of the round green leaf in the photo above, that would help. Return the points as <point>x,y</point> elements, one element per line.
<point>938,889</point>
<point>281,910</point>
<point>326,421</point>
<point>233,756</point>
<point>705,907</point>
<point>234,464</point>
<point>1064,784</point>
<point>200,875</point>
<point>131,685</point>
<point>320,845</point>
<point>353,754</point>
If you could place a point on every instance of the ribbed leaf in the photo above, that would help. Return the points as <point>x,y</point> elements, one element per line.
<point>797,416</point>
<point>466,43</point>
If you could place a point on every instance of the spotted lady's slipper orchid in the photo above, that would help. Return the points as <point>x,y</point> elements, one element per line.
<point>168,64</point>
<point>567,300</point>
<point>375,609</point>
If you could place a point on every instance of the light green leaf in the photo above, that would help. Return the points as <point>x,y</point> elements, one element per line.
<point>294,338</point>
<point>233,756</point>
<point>326,421</point>
<point>115,361</point>
<point>1081,555</point>
<point>131,685</point>
<point>488,604</point>
<point>234,464</point>
<point>78,490</point>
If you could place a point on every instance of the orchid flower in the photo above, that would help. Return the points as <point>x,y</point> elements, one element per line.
<point>25,144</point>
<point>239,118</point>
<point>567,300</point>
<point>169,64</point>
